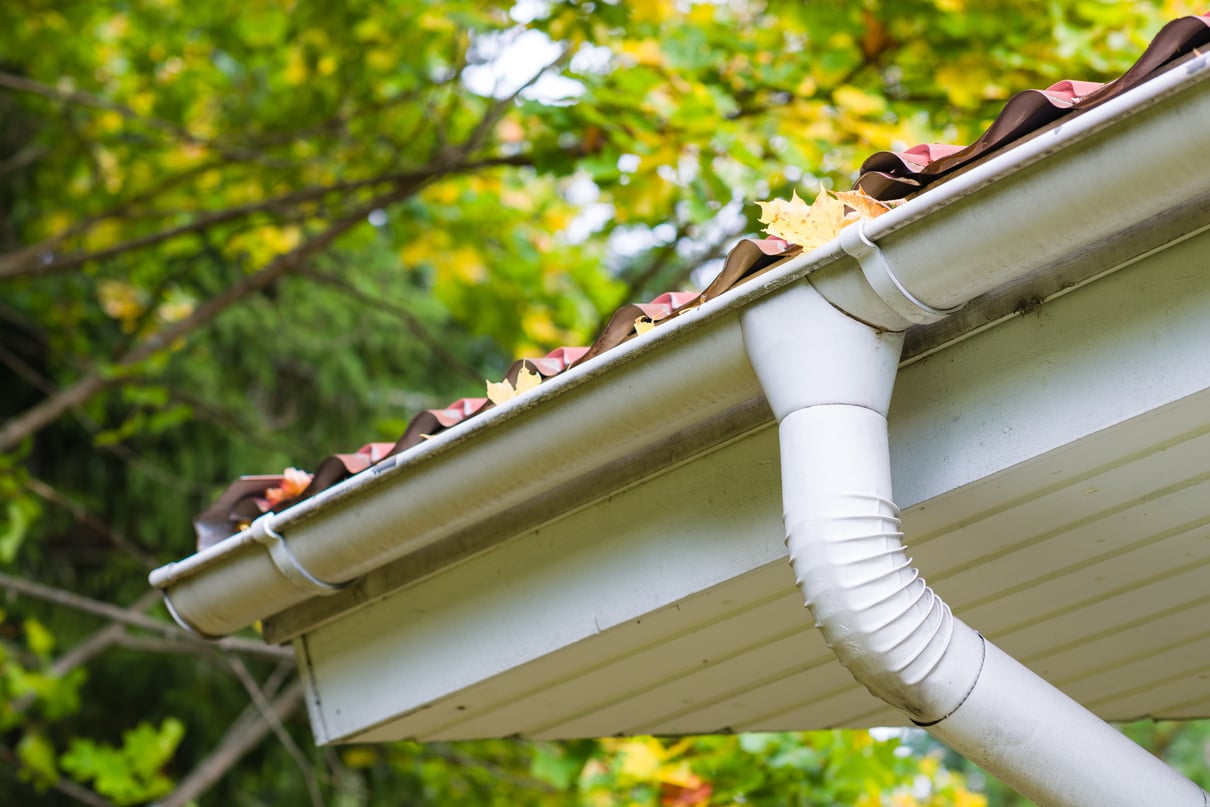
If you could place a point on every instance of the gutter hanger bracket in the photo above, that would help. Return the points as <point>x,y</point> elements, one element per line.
<point>263,533</point>
<point>882,279</point>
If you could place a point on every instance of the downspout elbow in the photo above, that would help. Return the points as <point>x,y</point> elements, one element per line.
<point>828,379</point>
<point>885,624</point>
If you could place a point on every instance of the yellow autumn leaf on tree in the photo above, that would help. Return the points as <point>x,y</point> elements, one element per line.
<point>122,301</point>
<point>813,225</point>
<point>646,52</point>
<point>641,759</point>
<point>500,391</point>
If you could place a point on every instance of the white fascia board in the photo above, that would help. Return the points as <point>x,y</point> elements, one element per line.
<point>1122,167</point>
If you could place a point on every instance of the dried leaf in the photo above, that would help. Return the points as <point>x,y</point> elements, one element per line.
<point>642,325</point>
<point>294,482</point>
<point>500,391</point>
<point>866,206</point>
<point>527,379</point>
<point>810,226</point>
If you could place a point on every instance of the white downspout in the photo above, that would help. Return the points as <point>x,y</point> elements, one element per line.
<point>828,379</point>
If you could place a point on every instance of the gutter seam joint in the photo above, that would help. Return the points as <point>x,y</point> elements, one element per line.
<point>882,279</point>
<point>263,533</point>
<point>975,683</point>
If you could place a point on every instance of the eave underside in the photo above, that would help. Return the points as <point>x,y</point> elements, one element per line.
<point>1056,490</point>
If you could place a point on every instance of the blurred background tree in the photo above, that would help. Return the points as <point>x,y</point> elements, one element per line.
<point>240,236</point>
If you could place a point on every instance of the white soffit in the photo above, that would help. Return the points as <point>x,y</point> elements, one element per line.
<point>1055,476</point>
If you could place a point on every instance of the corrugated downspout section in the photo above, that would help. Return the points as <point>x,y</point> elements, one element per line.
<point>877,614</point>
<point>828,379</point>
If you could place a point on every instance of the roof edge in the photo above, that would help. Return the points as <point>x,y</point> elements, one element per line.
<point>975,226</point>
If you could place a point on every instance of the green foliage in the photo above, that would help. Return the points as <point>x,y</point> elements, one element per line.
<point>20,508</point>
<point>236,237</point>
<point>801,769</point>
<point>132,773</point>
<point>28,684</point>
<point>807,769</point>
<point>1184,746</point>
<point>561,764</point>
<point>32,695</point>
<point>37,756</point>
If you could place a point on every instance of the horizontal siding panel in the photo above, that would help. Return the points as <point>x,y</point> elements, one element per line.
<point>629,672</point>
<point>1121,643</point>
<point>1080,587</point>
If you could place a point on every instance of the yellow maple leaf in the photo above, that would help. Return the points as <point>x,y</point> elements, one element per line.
<point>864,205</point>
<point>123,302</point>
<point>527,379</point>
<point>808,226</point>
<point>813,225</point>
<point>499,392</point>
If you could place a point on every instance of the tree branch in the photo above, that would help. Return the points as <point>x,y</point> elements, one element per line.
<point>97,643</point>
<point>51,408</point>
<point>79,655</point>
<point>32,261</point>
<point>123,453</point>
<point>663,256</point>
<point>83,516</point>
<point>65,786</point>
<point>135,619</point>
<point>247,732</point>
<point>22,370</point>
<point>451,754</point>
<point>409,319</point>
<point>81,98</point>
<point>22,158</point>
<point>34,255</point>
<point>23,262</point>
<point>498,109</point>
<point>270,717</point>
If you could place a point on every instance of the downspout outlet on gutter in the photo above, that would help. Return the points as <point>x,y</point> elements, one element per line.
<point>828,379</point>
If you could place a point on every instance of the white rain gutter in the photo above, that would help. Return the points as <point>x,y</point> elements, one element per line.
<point>826,353</point>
